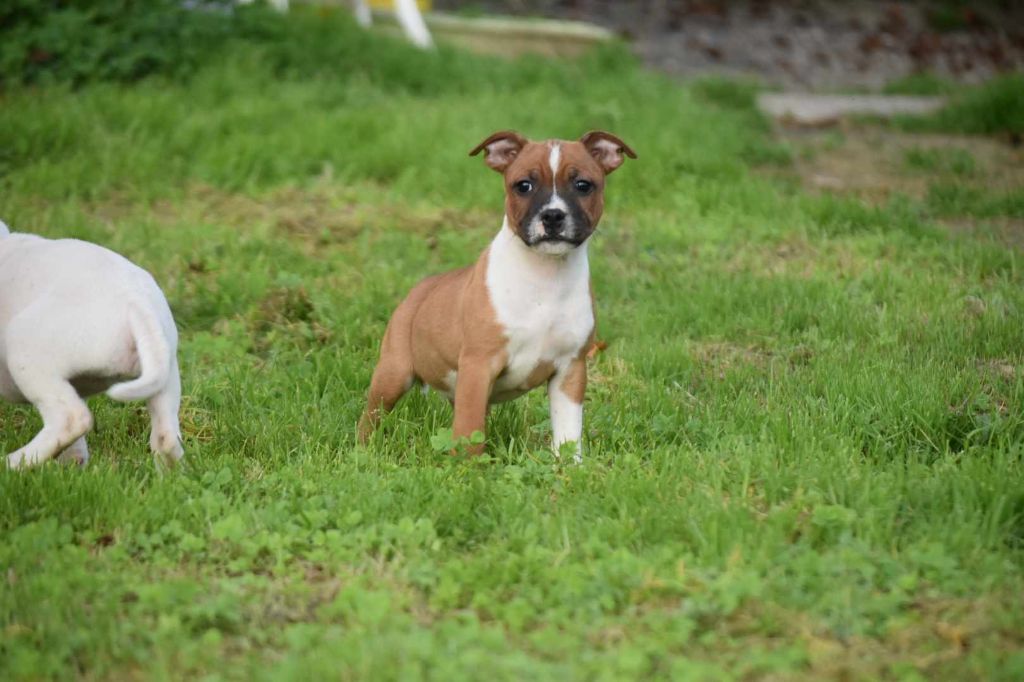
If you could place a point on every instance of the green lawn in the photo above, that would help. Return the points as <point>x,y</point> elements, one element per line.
<point>804,441</point>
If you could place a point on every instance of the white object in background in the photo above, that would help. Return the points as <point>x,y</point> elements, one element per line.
<point>362,11</point>
<point>409,18</point>
<point>407,11</point>
<point>412,23</point>
<point>279,5</point>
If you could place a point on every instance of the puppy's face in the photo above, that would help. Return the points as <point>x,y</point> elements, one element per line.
<point>554,190</point>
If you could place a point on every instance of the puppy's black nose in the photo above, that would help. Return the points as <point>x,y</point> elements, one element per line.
<point>553,219</point>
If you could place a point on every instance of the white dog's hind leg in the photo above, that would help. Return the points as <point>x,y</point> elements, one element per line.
<point>165,439</point>
<point>30,360</point>
<point>66,418</point>
<point>76,453</point>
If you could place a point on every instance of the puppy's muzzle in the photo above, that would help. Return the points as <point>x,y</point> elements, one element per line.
<point>553,220</point>
<point>556,227</point>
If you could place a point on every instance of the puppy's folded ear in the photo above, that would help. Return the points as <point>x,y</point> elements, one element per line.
<point>606,149</point>
<point>502,148</point>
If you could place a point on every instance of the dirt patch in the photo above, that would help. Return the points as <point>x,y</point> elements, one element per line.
<point>321,210</point>
<point>876,163</point>
<point>322,213</point>
<point>725,354</point>
<point>798,257</point>
<point>967,184</point>
<point>318,215</point>
<point>1008,231</point>
<point>1000,369</point>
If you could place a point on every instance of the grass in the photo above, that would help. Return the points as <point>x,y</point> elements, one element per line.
<point>803,441</point>
<point>995,107</point>
<point>921,83</point>
<point>959,162</point>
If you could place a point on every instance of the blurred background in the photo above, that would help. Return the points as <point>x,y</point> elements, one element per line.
<point>801,44</point>
<point>805,44</point>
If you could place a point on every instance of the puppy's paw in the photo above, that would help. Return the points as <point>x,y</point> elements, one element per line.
<point>75,454</point>
<point>16,460</point>
<point>168,455</point>
<point>165,462</point>
<point>74,458</point>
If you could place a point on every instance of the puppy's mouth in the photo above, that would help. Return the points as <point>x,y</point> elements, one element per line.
<point>554,239</point>
<point>555,245</point>
<point>571,235</point>
<point>558,239</point>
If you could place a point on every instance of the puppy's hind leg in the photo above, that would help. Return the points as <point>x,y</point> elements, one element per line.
<point>66,419</point>
<point>165,438</point>
<point>31,354</point>
<point>395,371</point>
<point>390,382</point>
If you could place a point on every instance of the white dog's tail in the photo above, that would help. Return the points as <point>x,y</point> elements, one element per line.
<point>4,230</point>
<point>154,357</point>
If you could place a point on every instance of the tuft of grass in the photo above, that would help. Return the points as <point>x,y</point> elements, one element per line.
<point>952,200</point>
<point>992,108</point>
<point>922,83</point>
<point>958,162</point>
<point>727,93</point>
<point>802,443</point>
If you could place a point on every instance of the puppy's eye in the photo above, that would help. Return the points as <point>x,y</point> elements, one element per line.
<point>523,186</point>
<point>583,186</point>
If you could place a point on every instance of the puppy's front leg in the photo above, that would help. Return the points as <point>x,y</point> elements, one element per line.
<point>472,394</point>
<point>565,398</point>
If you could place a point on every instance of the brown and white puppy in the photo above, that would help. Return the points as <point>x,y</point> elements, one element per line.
<point>522,315</point>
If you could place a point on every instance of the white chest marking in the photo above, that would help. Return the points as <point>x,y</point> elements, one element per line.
<point>543,304</point>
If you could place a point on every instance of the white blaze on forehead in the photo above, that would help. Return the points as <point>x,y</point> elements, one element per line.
<point>554,159</point>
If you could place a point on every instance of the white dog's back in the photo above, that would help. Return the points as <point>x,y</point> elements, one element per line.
<point>104,304</point>
<point>76,273</point>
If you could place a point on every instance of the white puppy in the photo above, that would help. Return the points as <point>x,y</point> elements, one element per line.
<point>77,319</point>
